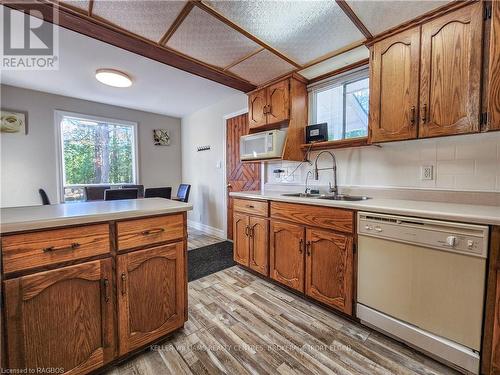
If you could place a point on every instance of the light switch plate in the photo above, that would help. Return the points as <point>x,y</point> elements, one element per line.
<point>426,172</point>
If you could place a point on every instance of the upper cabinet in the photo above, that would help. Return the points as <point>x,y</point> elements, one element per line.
<point>493,99</point>
<point>257,108</point>
<point>394,87</point>
<point>450,92</point>
<point>426,80</point>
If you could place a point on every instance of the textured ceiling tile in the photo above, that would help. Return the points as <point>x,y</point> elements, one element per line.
<point>262,67</point>
<point>379,16</point>
<point>302,30</point>
<point>149,19</point>
<point>80,4</point>
<point>337,62</point>
<point>205,38</point>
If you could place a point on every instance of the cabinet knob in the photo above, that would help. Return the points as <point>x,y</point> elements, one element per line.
<point>424,114</point>
<point>301,243</point>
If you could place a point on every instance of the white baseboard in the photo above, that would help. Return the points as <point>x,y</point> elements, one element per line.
<point>206,228</point>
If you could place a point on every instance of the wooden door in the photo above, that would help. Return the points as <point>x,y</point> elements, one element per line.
<point>241,235</point>
<point>259,245</point>
<point>257,107</point>
<point>150,288</point>
<point>329,268</point>
<point>494,70</point>
<point>67,314</point>
<point>450,84</point>
<point>278,101</point>
<point>239,176</point>
<point>394,87</point>
<point>286,248</point>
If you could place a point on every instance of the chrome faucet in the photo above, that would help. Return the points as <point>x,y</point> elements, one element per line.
<point>308,189</point>
<point>333,189</point>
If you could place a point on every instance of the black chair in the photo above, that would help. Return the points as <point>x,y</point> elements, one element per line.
<point>95,193</point>
<point>183,193</point>
<point>117,194</point>
<point>140,189</point>
<point>45,198</point>
<point>160,192</point>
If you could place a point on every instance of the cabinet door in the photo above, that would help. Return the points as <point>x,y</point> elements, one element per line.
<point>61,319</point>
<point>287,254</point>
<point>257,107</point>
<point>259,240</point>
<point>495,356</point>
<point>278,100</point>
<point>329,268</point>
<point>494,69</point>
<point>150,294</point>
<point>451,73</point>
<point>394,87</point>
<point>241,244</point>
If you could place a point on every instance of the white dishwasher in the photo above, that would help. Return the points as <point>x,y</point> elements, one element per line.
<point>423,281</point>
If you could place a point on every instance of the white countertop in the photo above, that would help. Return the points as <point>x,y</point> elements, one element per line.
<point>17,219</point>
<point>466,213</point>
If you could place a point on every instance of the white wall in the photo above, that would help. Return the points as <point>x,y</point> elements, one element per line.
<point>28,162</point>
<point>461,163</point>
<point>201,169</point>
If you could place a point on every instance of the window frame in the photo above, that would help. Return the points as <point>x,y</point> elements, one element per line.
<point>343,79</point>
<point>58,117</point>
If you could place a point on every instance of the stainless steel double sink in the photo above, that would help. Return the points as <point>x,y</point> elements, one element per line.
<point>337,197</point>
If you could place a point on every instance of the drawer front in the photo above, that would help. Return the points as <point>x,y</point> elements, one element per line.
<point>38,249</point>
<point>141,232</point>
<point>250,206</point>
<point>316,216</point>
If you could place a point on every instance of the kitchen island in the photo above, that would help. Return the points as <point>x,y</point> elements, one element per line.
<point>86,284</point>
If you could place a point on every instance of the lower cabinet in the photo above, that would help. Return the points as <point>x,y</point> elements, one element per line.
<point>329,268</point>
<point>241,240</point>
<point>67,314</point>
<point>286,250</point>
<point>251,237</point>
<point>495,356</point>
<point>151,294</point>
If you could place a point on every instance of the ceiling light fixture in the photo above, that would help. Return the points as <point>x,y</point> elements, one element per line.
<point>113,77</point>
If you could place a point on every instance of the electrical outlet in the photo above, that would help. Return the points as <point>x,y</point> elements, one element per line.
<point>426,172</point>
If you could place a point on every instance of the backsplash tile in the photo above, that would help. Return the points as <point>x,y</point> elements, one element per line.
<point>461,163</point>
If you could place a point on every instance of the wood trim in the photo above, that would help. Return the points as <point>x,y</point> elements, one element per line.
<point>435,13</point>
<point>294,74</point>
<point>253,53</point>
<point>104,31</point>
<point>234,26</point>
<point>335,53</point>
<point>343,143</point>
<point>354,18</point>
<point>344,69</point>
<point>91,7</point>
<point>178,21</point>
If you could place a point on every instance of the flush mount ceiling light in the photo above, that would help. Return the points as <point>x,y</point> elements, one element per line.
<point>113,77</point>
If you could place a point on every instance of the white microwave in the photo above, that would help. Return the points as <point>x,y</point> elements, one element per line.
<point>264,145</point>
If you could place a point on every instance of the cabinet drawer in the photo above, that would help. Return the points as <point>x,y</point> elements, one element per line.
<point>141,232</point>
<point>38,249</point>
<point>250,206</point>
<point>317,216</point>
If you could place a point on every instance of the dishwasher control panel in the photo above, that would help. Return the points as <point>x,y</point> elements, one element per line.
<point>468,239</point>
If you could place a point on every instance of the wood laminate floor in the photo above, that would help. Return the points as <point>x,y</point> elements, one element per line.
<point>197,238</point>
<point>241,324</point>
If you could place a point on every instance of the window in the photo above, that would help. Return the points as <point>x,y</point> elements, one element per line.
<point>342,103</point>
<point>95,151</point>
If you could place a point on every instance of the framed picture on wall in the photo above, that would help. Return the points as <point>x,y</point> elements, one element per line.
<point>161,137</point>
<point>13,121</point>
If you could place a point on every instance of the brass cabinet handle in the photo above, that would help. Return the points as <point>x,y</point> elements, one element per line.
<point>124,283</point>
<point>106,290</point>
<point>301,243</point>
<point>150,232</point>
<point>413,118</point>
<point>250,206</point>
<point>308,247</point>
<point>73,246</point>
<point>424,114</point>
<point>247,231</point>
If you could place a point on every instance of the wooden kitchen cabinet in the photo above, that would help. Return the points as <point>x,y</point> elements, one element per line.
<point>241,239</point>
<point>286,249</point>
<point>257,107</point>
<point>493,122</point>
<point>329,268</point>
<point>61,319</point>
<point>394,92</point>
<point>450,78</point>
<point>259,242</point>
<point>278,102</point>
<point>151,294</point>
<point>495,354</point>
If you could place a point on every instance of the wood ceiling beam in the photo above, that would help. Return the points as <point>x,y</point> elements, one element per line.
<point>178,21</point>
<point>244,58</point>
<point>96,29</point>
<point>234,26</point>
<point>354,18</point>
<point>335,53</point>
